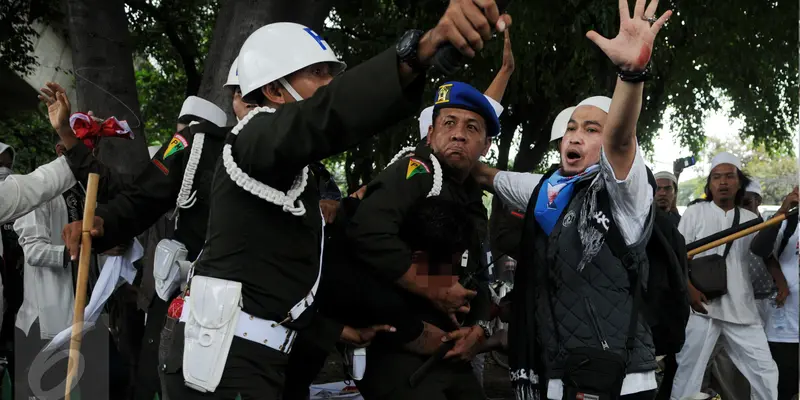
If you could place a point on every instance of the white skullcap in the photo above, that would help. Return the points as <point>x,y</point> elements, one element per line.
<point>153,150</point>
<point>601,102</point>
<point>753,187</point>
<point>233,74</point>
<point>426,116</point>
<point>666,175</point>
<point>560,124</point>
<point>726,158</point>
<point>204,109</point>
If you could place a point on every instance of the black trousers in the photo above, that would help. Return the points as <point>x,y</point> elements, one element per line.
<point>786,357</point>
<point>148,382</point>
<point>648,395</point>
<point>670,368</point>
<point>304,365</point>
<point>252,371</point>
<point>388,374</point>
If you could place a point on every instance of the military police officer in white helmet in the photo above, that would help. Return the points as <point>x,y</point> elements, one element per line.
<point>260,266</point>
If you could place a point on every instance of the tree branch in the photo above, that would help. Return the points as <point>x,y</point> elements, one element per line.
<point>186,52</point>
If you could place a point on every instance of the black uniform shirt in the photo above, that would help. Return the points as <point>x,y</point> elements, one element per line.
<point>274,254</point>
<point>374,229</point>
<point>155,190</point>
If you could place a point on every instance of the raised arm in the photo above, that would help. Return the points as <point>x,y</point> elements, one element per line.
<point>630,51</point>
<point>20,194</point>
<point>498,86</point>
<point>361,102</point>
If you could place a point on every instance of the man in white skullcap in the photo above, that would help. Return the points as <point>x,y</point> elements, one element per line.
<point>752,197</point>
<point>582,143</point>
<point>733,315</point>
<point>666,194</point>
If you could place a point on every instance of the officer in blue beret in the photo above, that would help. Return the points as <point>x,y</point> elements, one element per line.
<point>463,124</point>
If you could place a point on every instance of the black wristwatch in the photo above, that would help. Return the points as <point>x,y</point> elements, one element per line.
<point>407,50</point>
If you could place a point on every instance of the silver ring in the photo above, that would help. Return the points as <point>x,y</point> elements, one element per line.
<point>651,20</point>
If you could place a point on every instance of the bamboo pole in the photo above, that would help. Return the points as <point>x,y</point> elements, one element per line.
<point>719,242</point>
<point>82,281</point>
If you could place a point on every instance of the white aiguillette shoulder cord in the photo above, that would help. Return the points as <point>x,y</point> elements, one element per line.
<point>187,197</point>
<point>286,200</point>
<point>437,170</point>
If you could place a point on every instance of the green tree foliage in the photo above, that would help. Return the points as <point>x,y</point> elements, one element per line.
<point>170,40</point>
<point>738,50</point>
<point>17,33</point>
<point>34,140</point>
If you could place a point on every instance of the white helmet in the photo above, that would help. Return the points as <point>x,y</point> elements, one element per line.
<point>277,50</point>
<point>233,74</point>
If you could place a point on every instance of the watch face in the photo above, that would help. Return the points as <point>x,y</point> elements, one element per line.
<point>404,45</point>
<point>407,44</point>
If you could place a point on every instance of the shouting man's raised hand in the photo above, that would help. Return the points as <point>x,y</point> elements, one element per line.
<point>631,49</point>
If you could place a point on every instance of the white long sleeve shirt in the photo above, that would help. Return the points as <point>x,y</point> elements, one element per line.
<point>19,194</point>
<point>48,283</point>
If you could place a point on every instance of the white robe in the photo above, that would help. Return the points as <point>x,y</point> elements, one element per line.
<point>739,305</point>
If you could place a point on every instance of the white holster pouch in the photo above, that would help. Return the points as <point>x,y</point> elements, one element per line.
<point>214,307</point>
<point>169,263</point>
<point>355,359</point>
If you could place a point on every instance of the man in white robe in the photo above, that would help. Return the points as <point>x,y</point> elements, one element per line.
<point>733,316</point>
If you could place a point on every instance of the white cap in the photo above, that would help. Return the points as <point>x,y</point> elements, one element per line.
<point>726,158</point>
<point>4,147</point>
<point>753,187</point>
<point>426,116</point>
<point>666,175</point>
<point>560,124</point>
<point>153,150</point>
<point>277,50</point>
<point>233,74</point>
<point>601,102</point>
<point>204,109</point>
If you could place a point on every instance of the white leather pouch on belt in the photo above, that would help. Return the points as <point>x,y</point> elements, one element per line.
<point>356,360</point>
<point>214,306</point>
<point>166,269</point>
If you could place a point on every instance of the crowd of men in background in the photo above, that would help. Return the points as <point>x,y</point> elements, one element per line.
<point>229,283</point>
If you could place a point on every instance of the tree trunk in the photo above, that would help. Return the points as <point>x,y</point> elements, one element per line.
<point>105,81</point>
<point>509,126</point>
<point>236,20</point>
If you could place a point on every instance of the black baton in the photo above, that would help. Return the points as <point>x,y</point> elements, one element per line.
<point>423,370</point>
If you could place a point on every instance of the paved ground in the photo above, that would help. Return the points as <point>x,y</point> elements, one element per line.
<point>495,378</point>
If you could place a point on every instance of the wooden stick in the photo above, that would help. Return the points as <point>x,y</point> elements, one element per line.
<point>82,281</point>
<point>772,221</point>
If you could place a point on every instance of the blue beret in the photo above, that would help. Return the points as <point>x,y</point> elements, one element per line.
<point>464,96</point>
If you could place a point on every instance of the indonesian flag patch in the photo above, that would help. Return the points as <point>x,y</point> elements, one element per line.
<point>415,167</point>
<point>177,144</point>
